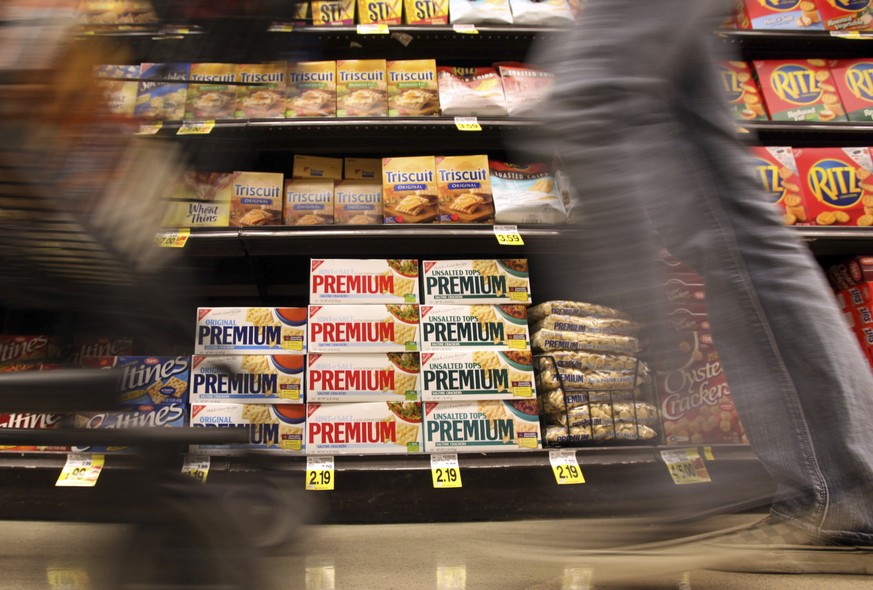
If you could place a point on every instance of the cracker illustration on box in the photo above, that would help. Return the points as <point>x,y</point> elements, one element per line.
<point>854,81</point>
<point>363,377</point>
<point>264,95</point>
<point>209,94</point>
<point>799,90</point>
<point>278,428</point>
<point>776,170</point>
<point>838,184</point>
<point>741,91</point>
<point>464,189</point>
<point>409,190</point>
<point>311,89</point>
<point>412,88</point>
<point>364,428</point>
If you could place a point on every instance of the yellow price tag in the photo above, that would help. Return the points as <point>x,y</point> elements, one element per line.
<point>319,473</point>
<point>508,235</point>
<point>281,28</point>
<point>467,124</point>
<point>527,440</point>
<point>80,471</point>
<point>372,29</point>
<point>445,471</point>
<point>176,239</point>
<point>289,394</point>
<point>566,467</point>
<point>196,128</point>
<point>847,34</point>
<point>707,454</point>
<point>522,391</point>
<point>68,578</point>
<point>685,466</point>
<point>196,467</point>
<point>149,128</point>
<point>464,29</point>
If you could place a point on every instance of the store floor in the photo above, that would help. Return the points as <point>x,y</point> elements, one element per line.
<point>468,556</point>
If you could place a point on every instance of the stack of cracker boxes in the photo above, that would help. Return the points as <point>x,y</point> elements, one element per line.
<point>852,280</point>
<point>247,370</point>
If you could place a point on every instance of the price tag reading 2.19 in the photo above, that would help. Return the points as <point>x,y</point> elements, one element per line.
<point>445,470</point>
<point>566,467</point>
<point>319,473</point>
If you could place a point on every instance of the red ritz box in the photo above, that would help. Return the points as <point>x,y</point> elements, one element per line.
<point>776,171</point>
<point>837,185</point>
<point>846,15</point>
<point>741,91</point>
<point>854,81</point>
<point>799,90</point>
<point>778,14</point>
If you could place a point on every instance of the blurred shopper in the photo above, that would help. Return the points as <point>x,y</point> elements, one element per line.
<point>637,116</point>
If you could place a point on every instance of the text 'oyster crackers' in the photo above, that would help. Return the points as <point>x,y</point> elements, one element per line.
<point>311,89</point>
<point>256,199</point>
<point>363,428</point>
<point>363,281</point>
<point>147,379</point>
<point>358,202</point>
<point>361,88</point>
<point>264,91</point>
<point>409,189</point>
<point>799,90</point>
<point>250,330</point>
<point>363,377</point>
<point>412,88</point>
<point>277,428</point>
<point>477,375</point>
<point>476,426</point>
<point>309,201</point>
<point>476,281</point>
<point>363,328</point>
<point>464,189</point>
<point>474,327</point>
<point>267,379</point>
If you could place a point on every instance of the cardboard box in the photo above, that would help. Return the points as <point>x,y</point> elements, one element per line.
<point>363,169</point>
<point>363,328</point>
<point>776,170</point>
<point>317,167</point>
<point>265,97</point>
<point>780,15</point>
<point>474,327</point>
<point>17,351</point>
<point>363,281</point>
<point>209,95</point>
<point>311,89</point>
<point>477,281</point>
<point>119,95</point>
<point>466,375</point>
<point>361,88</point>
<point>854,81</point>
<point>148,379</point>
<point>464,189</point>
<point>845,15</point>
<point>409,190</point>
<point>481,426</point>
<point>741,91</point>
<point>196,214</point>
<point>389,12</point>
<point>277,428</point>
<point>363,377</point>
<point>336,13</point>
<point>427,12</point>
<point>837,185</point>
<point>28,421</point>
<point>164,415</point>
<point>250,330</point>
<point>256,199</point>
<point>162,101</point>
<point>412,88</point>
<point>309,202</point>
<point>799,90</point>
<point>258,379</point>
<point>358,202</point>
<point>383,428</point>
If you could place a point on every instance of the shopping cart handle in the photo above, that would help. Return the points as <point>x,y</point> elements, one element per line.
<point>64,390</point>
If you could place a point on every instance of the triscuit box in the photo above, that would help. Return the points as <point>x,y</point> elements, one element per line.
<point>474,327</point>
<point>388,12</point>
<point>854,81</point>
<point>250,330</point>
<point>162,101</point>
<point>471,92</point>
<point>277,428</point>
<point>741,91</point>
<point>317,167</point>
<point>776,170</point>
<point>846,15</point>
<point>525,87</point>
<point>264,95</point>
<point>336,13</point>
<point>358,202</point>
<point>799,90</point>
<point>409,189</point>
<point>256,199</point>
<point>119,95</point>
<point>363,328</point>
<point>526,194</point>
<point>267,379</point>
<point>464,189</point>
<point>311,89</point>
<point>363,168</point>
<point>166,415</point>
<point>838,185</point>
<point>150,379</point>
<point>363,281</point>
<point>412,88</point>
<point>779,14</point>
<point>477,426</point>
<point>209,94</point>
<point>476,281</point>
<point>361,88</point>
<point>477,375</point>
<point>373,377</point>
<point>363,428</point>
<point>309,202</point>
<point>427,12</point>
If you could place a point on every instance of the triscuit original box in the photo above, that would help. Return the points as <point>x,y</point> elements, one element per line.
<point>358,202</point>
<point>256,199</point>
<point>741,91</point>
<point>363,328</point>
<point>776,170</point>
<point>277,428</point>
<point>464,189</point>
<point>799,90</point>
<point>119,87</point>
<point>309,202</point>
<point>165,415</point>
<point>263,96</point>
<point>477,426</point>
<point>209,94</point>
<point>250,330</point>
<point>363,377</point>
<point>476,281</point>
<point>846,15</point>
<point>311,89</point>
<point>477,375</point>
<point>363,428</point>
<point>266,379</point>
<point>427,12</point>
<point>317,167</point>
<point>363,281</point>
<point>388,12</point>
<point>474,327</point>
<point>162,101</point>
<point>361,88</point>
<point>335,13</point>
<point>779,14</point>
<point>837,185</point>
<point>363,168</point>
<point>412,88</point>
<point>409,189</point>
<point>854,81</point>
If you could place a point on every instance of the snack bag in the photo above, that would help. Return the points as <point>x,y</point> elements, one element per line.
<point>471,91</point>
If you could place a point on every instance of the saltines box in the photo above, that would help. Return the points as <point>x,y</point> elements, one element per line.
<point>250,330</point>
<point>364,328</point>
<point>148,379</point>
<point>477,426</point>
<point>363,428</point>
<point>363,281</point>
<point>265,379</point>
<point>474,327</point>
<point>476,281</point>
<point>365,377</point>
<point>477,375</point>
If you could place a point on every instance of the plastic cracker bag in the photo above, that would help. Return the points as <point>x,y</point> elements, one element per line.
<point>525,194</point>
<point>554,13</point>
<point>479,11</point>
<point>471,92</point>
<point>525,87</point>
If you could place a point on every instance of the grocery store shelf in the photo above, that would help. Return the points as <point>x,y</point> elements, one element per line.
<point>798,44</point>
<point>806,134</point>
<point>842,241</point>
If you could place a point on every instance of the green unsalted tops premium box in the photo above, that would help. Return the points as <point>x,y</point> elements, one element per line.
<point>476,281</point>
<point>477,426</point>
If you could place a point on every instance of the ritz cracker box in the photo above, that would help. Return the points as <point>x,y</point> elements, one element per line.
<point>364,428</point>
<point>779,14</point>
<point>799,90</point>
<point>250,330</point>
<point>264,379</point>
<point>361,377</point>
<point>776,170</point>
<point>741,91</point>
<point>409,190</point>
<point>340,280</point>
<point>846,15</point>
<point>837,185</point>
<point>854,81</point>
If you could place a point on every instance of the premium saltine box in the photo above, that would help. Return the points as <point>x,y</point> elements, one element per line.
<point>278,428</point>
<point>259,379</point>
<point>741,91</point>
<point>409,189</point>
<point>309,202</point>
<point>481,426</point>
<point>854,81</point>
<point>363,328</point>
<point>352,280</point>
<point>477,375</point>
<point>250,330</point>
<point>358,202</point>
<point>311,89</point>
<point>393,376</point>
<point>776,171</point>
<point>476,281</point>
<point>474,327</point>
<point>363,428</point>
<point>799,90</point>
<point>837,185</point>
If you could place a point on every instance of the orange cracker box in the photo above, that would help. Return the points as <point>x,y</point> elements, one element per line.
<point>779,14</point>
<point>361,88</point>
<point>264,97</point>
<point>209,94</point>
<point>776,170</point>
<point>309,202</point>
<point>853,79</point>
<point>799,90</point>
<point>338,13</point>
<point>388,12</point>
<point>464,189</point>
<point>846,15</point>
<point>311,89</point>
<point>837,185</point>
<point>409,190</point>
<point>256,199</point>
<point>741,91</point>
<point>363,168</point>
<point>412,88</point>
<point>358,202</point>
<point>427,12</point>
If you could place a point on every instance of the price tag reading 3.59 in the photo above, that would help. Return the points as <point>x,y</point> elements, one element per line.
<point>319,473</point>
<point>445,470</point>
<point>566,467</point>
<point>508,235</point>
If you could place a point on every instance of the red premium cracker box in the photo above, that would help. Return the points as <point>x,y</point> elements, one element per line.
<point>799,90</point>
<point>776,170</point>
<point>837,185</point>
<point>778,14</point>
<point>741,91</point>
<point>853,79</point>
<point>846,15</point>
